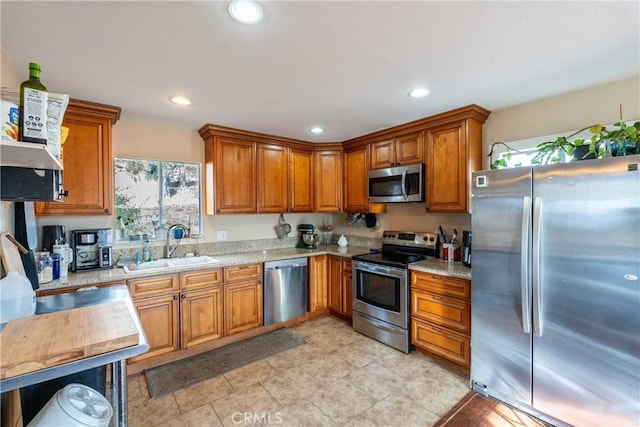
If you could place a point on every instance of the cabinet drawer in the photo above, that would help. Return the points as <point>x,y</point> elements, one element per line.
<point>443,285</point>
<point>450,312</point>
<point>150,286</point>
<point>242,272</point>
<point>444,342</point>
<point>200,279</point>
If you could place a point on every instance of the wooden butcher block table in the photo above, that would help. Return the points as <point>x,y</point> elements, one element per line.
<point>70,333</point>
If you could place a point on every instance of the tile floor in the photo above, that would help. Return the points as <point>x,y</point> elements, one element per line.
<point>338,378</point>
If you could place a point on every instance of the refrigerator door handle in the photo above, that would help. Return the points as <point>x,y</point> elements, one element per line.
<point>524,265</point>
<point>537,243</point>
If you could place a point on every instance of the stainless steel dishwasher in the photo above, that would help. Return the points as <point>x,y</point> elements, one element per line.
<point>285,290</point>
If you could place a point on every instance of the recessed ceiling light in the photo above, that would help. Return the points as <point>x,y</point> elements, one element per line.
<point>245,11</point>
<point>180,100</point>
<point>419,92</point>
<point>316,129</point>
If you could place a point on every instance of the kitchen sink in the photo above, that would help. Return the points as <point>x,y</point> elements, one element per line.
<point>194,260</point>
<point>168,263</point>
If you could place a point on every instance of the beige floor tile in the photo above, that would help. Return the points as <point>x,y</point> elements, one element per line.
<point>143,412</point>
<point>202,393</point>
<point>203,416</point>
<point>288,359</point>
<point>301,413</point>
<point>376,380</point>
<point>437,390</point>
<point>290,385</point>
<point>408,366</point>
<point>249,375</point>
<point>341,401</point>
<point>327,368</point>
<point>399,410</point>
<point>133,387</point>
<point>364,351</point>
<point>251,404</point>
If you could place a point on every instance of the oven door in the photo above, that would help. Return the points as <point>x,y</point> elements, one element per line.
<point>381,292</point>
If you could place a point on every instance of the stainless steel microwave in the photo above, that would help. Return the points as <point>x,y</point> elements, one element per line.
<point>400,184</point>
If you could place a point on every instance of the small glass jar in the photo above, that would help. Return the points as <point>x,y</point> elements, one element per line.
<point>44,266</point>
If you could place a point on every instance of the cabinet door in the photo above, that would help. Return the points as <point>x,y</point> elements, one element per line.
<point>301,167</point>
<point>242,306</point>
<point>159,319</point>
<point>201,314</point>
<point>355,180</point>
<point>335,284</point>
<point>383,154</point>
<point>88,162</point>
<point>272,178</point>
<point>328,181</point>
<point>447,169</point>
<point>409,149</point>
<point>347,295</point>
<point>317,283</point>
<point>235,171</point>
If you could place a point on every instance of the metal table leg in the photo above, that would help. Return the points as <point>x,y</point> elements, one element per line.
<point>119,392</point>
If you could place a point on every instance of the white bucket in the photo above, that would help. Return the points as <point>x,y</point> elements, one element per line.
<point>17,298</point>
<point>74,405</point>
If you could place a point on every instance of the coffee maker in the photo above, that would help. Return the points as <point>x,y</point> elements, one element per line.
<point>91,249</point>
<point>308,237</point>
<point>466,248</point>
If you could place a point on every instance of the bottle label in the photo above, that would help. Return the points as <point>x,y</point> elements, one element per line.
<point>34,115</point>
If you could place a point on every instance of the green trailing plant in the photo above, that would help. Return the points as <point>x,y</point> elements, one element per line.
<point>603,143</point>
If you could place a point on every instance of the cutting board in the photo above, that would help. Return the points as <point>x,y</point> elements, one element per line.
<point>11,259</point>
<point>37,342</point>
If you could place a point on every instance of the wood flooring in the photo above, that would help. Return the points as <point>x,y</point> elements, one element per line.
<point>477,411</point>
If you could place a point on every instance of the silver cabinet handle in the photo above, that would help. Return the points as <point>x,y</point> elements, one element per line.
<point>537,243</point>
<point>524,265</point>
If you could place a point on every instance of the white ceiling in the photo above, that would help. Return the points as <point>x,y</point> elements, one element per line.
<point>343,65</point>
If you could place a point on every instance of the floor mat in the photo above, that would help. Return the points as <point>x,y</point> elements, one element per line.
<point>168,378</point>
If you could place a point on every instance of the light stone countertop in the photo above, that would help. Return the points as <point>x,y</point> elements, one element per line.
<point>444,268</point>
<point>95,277</point>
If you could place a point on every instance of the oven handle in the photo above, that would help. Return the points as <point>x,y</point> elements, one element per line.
<point>374,268</point>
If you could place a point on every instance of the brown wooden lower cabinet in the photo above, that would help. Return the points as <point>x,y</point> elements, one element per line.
<point>340,287</point>
<point>441,316</point>
<point>442,341</point>
<point>159,318</point>
<point>318,292</point>
<point>243,306</point>
<point>201,313</point>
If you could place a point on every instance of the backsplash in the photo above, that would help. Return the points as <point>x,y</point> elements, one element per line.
<point>230,247</point>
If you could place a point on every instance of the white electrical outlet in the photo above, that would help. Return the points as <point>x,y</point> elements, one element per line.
<point>221,235</point>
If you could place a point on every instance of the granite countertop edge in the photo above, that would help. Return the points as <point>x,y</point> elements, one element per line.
<point>116,274</point>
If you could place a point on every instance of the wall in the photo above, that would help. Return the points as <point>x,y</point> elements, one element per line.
<point>598,104</point>
<point>564,113</point>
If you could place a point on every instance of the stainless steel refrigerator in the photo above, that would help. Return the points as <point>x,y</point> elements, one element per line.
<point>555,291</point>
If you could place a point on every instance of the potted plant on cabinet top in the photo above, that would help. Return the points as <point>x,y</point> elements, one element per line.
<point>604,142</point>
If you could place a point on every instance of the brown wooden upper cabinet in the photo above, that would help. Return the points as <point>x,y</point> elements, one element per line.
<point>402,150</point>
<point>88,162</point>
<point>355,175</point>
<point>453,152</point>
<point>328,180</point>
<point>247,172</point>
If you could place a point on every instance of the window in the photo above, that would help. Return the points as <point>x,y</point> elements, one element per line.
<point>150,195</point>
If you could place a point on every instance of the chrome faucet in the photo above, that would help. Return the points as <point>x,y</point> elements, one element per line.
<point>168,251</point>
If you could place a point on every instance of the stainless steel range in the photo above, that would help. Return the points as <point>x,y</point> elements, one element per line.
<point>381,286</point>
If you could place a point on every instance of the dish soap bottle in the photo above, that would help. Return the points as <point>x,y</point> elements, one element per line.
<point>33,108</point>
<point>146,252</point>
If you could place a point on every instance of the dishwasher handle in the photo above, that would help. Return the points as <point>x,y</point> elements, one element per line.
<point>277,267</point>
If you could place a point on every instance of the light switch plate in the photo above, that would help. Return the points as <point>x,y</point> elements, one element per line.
<point>221,235</point>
